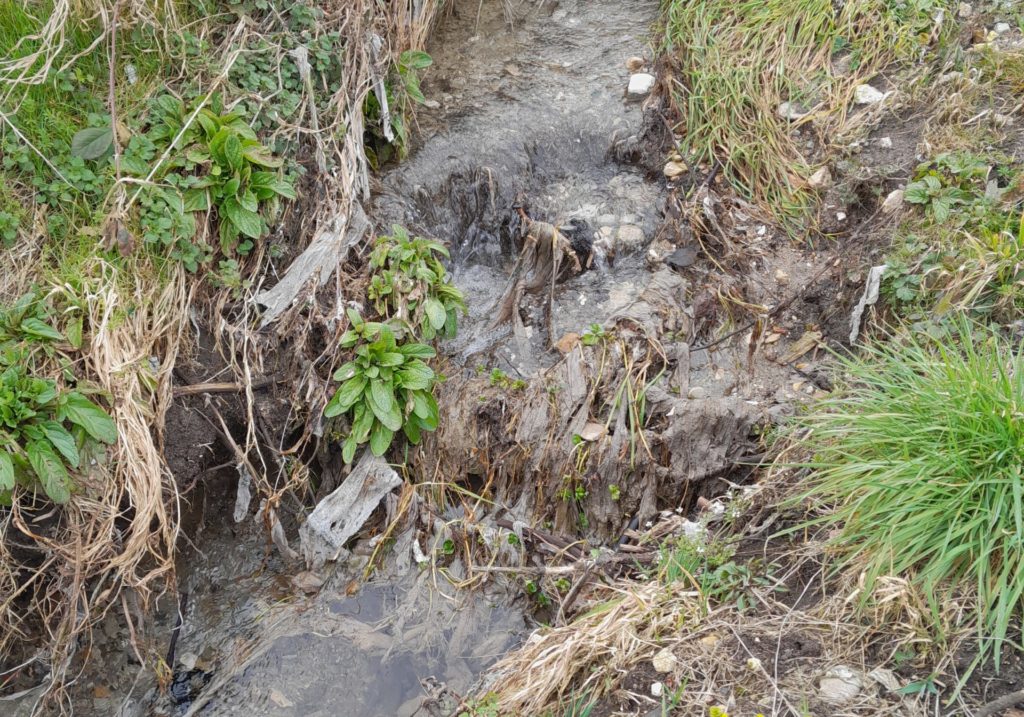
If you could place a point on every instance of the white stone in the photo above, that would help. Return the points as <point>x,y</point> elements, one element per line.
<point>867,95</point>
<point>820,179</point>
<point>790,111</point>
<point>840,685</point>
<point>885,142</point>
<point>840,216</point>
<point>965,10</point>
<point>1001,27</point>
<point>674,169</point>
<point>697,392</point>
<point>665,660</point>
<point>630,235</point>
<point>893,201</point>
<point>657,689</point>
<point>640,84</point>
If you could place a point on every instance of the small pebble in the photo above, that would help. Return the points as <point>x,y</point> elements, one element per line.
<point>867,95</point>
<point>640,85</point>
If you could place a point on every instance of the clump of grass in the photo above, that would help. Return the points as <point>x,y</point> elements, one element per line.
<point>736,62</point>
<point>920,457</point>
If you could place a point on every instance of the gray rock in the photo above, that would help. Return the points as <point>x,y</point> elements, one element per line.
<point>867,95</point>
<point>790,111</point>
<point>1001,28</point>
<point>630,236</point>
<point>893,201</point>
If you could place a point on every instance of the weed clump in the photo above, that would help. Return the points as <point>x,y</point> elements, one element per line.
<point>921,453</point>
<point>748,74</point>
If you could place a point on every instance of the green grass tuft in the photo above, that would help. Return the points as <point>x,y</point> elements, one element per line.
<point>735,62</point>
<point>921,453</point>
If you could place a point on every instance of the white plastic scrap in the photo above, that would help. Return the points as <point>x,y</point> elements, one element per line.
<point>244,494</point>
<point>868,299</point>
<point>341,514</point>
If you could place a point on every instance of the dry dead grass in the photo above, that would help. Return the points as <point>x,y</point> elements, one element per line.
<point>768,659</point>
<point>112,546</point>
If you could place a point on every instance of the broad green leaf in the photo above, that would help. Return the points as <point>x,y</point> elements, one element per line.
<point>262,157</point>
<point>427,424</point>
<point>435,313</point>
<point>415,59</point>
<point>74,331</point>
<point>391,359</point>
<point>346,371</point>
<point>349,393</point>
<point>63,441</point>
<point>348,449</point>
<point>216,145</point>
<point>284,188</point>
<point>208,123</point>
<point>50,471</point>
<point>361,423</point>
<point>228,236</point>
<point>383,404</point>
<point>424,404</point>
<point>233,151</point>
<point>247,221</point>
<point>92,142</point>
<point>231,189</point>
<point>6,470</point>
<point>35,327</point>
<point>412,87</point>
<point>248,201</point>
<point>412,432</point>
<point>83,412</point>
<point>416,375</point>
<point>348,339</point>
<point>380,438</point>
<point>196,200</point>
<point>417,351</point>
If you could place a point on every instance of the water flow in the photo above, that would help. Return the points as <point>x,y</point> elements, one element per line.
<point>526,115</point>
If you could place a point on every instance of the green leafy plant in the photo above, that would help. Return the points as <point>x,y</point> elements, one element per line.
<point>500,379</point>
<point>236,182</point>
<point>411,285</point>
<point>43,431</point>
<point>8,228</point>
<point>938,199</point>
<point>386,388</point>
<point>919,457</point>
<point>594,334</point>
<point>402,91</point>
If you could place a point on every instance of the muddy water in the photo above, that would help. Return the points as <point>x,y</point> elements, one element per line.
<point>527,117</point>
<point>529,99</point>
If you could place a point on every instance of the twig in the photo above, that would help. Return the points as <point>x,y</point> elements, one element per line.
<point>182,606</point>
<point>574,591</point>
<point>998,705</point>
<point>197,388</point>
<point>110,89</point>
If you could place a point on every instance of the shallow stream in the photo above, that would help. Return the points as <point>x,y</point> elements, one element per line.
<point>525,103</point>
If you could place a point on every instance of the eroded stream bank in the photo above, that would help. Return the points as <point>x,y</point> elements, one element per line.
<point>530,109</point>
